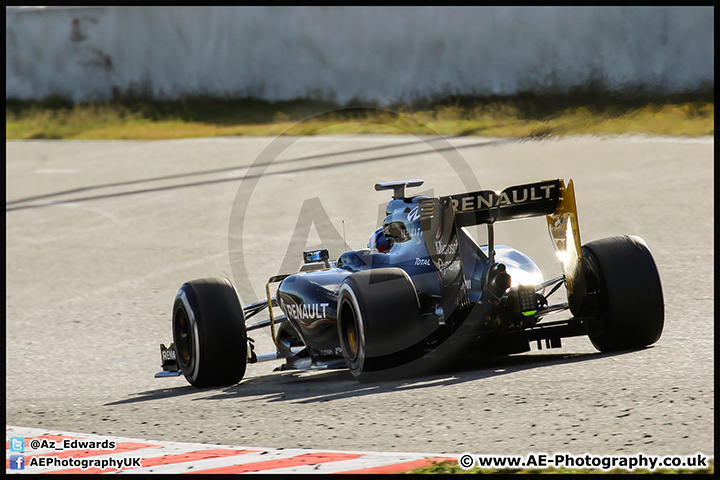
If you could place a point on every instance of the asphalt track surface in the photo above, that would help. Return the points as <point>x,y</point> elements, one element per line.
<point>100,235</point>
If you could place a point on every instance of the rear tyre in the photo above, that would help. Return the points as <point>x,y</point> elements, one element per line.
<point>209,333</point>
<point>624,293</point>
<point>379,323</point>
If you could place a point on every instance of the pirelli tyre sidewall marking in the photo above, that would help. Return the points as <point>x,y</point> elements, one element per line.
<point>196,337</point>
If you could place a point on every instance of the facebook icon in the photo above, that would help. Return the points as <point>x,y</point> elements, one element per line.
<point>17,462</point>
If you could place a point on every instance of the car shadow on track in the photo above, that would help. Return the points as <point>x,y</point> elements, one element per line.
<point>316,386</point>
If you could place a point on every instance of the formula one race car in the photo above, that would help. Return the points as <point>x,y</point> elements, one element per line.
<point>424,292</point>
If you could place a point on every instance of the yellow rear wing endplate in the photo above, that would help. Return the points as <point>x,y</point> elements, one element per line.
<point>565,233</point>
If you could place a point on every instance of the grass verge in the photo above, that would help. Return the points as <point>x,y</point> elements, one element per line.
<point>520,116</point>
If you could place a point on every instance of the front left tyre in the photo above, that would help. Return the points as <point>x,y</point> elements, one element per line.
<point>209,333</point>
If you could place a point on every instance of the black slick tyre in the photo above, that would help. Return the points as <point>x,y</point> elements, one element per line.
<point>624,293</point>
<point>209,333</point>
<point>379,323</point>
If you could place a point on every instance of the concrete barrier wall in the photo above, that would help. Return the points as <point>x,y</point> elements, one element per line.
<point>370,53</point>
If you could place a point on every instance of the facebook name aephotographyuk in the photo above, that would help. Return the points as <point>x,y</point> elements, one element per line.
<point>467,461</point>
<point>18,462</point>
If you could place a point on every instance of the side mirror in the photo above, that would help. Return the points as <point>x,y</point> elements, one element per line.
<point>312,256</point>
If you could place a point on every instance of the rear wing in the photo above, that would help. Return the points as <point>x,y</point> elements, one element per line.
<point>440,217</point>
<point>520,201</point>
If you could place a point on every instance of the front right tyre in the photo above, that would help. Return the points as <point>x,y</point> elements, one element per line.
<point>379,324</point>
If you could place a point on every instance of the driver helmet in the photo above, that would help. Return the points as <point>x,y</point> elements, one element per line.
<point>379,241</point>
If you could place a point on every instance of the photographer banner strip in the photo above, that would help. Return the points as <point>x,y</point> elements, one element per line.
<point>52,451</point>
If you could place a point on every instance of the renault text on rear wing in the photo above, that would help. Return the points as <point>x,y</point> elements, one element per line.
<point>519,201</point>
